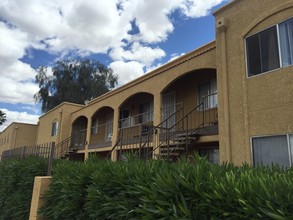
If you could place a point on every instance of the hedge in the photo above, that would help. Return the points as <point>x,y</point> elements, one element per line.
<point>158,189</point>
<point>16,186</point>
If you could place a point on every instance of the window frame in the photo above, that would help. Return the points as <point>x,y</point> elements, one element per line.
<point>95,126</point>
<point>279,49</point>
<point>211,93</point>
<point>289,147</point>
<point>54,128</point>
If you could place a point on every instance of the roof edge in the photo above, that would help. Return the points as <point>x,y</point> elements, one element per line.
<point>17,123</point>
<point>194,53</point>
<point>58,106</point>
<point>226,7</point>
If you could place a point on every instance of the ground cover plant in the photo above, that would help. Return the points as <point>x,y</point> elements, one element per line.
<point>156,189</point>
<point>16,186</point>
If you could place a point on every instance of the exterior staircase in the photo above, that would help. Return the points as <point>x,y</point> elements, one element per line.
<point>63,149</point>
<point>177,147</point>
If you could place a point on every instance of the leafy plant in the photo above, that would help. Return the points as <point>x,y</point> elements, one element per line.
<point>16,186</point>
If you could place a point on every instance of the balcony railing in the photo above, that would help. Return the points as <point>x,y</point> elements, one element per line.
<point>101,135</point>
<point>134,128</point>
<point>78,139</point>
<point>136,120</point>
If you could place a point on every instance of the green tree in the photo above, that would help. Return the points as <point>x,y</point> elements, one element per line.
<point>2,117</point>
<point>73,81</point>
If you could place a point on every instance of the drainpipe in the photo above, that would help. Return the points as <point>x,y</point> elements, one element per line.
<point>60,126</point>
<point>16,130</point>
<point>88,136</point>
<point>221,26</point>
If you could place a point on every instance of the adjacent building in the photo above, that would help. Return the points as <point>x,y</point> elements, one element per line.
<point>230,100</point>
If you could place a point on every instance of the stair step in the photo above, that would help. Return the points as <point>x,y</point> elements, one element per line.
<point>184,138</point>
<point>190,134</point>
<point>172,149</point>
<point>166,154</point>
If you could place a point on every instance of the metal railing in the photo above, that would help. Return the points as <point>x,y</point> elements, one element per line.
<point>182,131</point>
<point>134,131</point>
<point>42,150</point>
<point>101,135</point>
<point>136,119</point>
<point>78,139</point>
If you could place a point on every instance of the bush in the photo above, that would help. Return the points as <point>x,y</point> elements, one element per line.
<point>16,186</point>
<point>161,190</point>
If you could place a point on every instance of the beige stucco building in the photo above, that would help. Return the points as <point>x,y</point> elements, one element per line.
<point>17,135</point>
<point>230,100</point>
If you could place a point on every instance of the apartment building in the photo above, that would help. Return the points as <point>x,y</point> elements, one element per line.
<point>17,135</point>
<point>254,43</point>
<point>230,100</point>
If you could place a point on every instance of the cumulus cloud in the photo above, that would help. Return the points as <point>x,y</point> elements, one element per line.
<point>139,53</point>
<point>127,71</point>
<point>14,116</point>
<point>127,30</point>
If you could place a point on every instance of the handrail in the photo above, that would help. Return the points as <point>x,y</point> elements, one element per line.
<point>181,123</point>
<point>174,125</point>
<point>60,145</point>
<point>115,145</point>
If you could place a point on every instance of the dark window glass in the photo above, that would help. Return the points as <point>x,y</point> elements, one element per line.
<point>262,52</point>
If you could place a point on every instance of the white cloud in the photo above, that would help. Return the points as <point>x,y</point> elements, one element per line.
<point>138,52</point>
<point>199,8</point>
<point>14,116</point>
<point>97,26</point>
<point>62,26</point>
<point>17,84</point>
<point>127,71</point>
<point>12,45</point>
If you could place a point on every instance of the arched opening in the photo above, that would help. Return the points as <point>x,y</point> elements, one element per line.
<point>78,135</point>
<point>135,125</point>
<point>189,112</point>
<point>197,89</point>
<point>102,128</point>
<point>137,109</point>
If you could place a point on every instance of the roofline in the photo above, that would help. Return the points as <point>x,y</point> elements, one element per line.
<point>58,106</point>
<point>17,123</point>
<point>226,7</point>
<point>163,68</point>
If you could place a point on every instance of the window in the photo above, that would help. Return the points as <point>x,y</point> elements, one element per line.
<point>207,94</point>
<point>211,154</point>
<point>54,130</point>
<point>168,109</point>
<point>286,42</point>
<point>146,112</point>
<point>270,150</point>
<point>95,126</point>
<point>262,49</point>
<point>124,118</point>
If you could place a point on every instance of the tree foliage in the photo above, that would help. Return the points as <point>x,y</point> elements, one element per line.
<point>73,81</point>
<point>2,117</point>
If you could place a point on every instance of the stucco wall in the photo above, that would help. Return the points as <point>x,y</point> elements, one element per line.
<point>259,105</point>
<point>62,114</point>
<point>18,135</point>
<point>154,83</point>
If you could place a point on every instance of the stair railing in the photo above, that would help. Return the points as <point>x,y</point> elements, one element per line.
<point>62,149</point>
<point>181,126</point>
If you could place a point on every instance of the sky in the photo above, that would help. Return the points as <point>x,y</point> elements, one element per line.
<point>132,37</point>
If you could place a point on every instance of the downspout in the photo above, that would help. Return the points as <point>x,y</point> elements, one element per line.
<point>221,27</point>
<point>16,130</point>
<point>60,126</point>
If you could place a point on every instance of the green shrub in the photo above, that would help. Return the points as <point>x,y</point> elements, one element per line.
<point>16,186</point>
<point>161,190</point>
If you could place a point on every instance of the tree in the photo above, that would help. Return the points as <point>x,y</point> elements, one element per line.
<point>73,81</point>
<point>2,117</point>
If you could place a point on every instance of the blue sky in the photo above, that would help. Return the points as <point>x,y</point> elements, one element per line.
<point>130,36</point>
